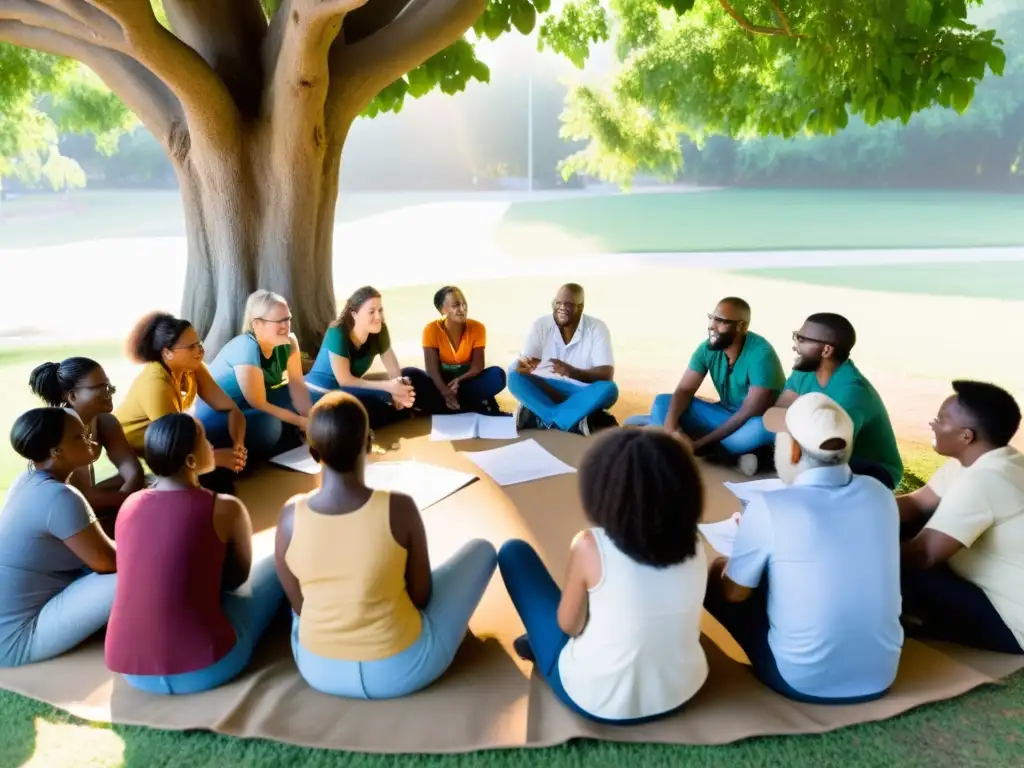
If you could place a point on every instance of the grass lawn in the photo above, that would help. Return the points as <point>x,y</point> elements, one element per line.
<point>754,220</point>
<point>983,280</point>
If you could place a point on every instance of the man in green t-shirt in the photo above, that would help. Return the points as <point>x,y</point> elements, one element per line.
<point>823,364</point>
<point>748,376</point>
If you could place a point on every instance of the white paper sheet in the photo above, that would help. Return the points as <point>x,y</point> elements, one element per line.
<point>519,463</point>
<point>721,535</point>
<point>297,459</point>
<point>747,491</point>
<point>467,426</point>
<point>426,483</point>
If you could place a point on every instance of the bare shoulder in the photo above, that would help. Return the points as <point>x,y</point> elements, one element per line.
<point>403,504</point>
<point>229,506</point>
<point>294,341</point>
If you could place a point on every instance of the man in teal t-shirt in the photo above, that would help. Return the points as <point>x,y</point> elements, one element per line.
<point>748,376</point>
<point>823,364</point>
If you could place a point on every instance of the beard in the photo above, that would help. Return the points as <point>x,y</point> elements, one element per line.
<point>805,364</point>
<point>721,341</point>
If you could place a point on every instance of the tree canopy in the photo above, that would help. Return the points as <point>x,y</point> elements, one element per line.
<point>746,68</point>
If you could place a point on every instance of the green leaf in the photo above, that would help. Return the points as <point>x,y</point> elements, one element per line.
<point>524,17</point>
<point>996,61</point>
<point>963,92</point>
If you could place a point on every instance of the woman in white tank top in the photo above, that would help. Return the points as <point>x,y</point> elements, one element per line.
<point>621,643</point>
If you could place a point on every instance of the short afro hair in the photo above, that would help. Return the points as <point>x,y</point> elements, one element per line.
<point>843,335</point>
<point>644,489</point>
<point>993,410</point>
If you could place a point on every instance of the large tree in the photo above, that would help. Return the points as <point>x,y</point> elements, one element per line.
<point>252,99</point>
<point>747,68</point>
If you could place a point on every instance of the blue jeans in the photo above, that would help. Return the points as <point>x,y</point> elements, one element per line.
<point>377,402</point>
<point>536,596</point>
<point>68,619</point>
<point>748,624</point>
<point>703,417</point>
<point>250,609</point>
<point>578,400</point>
<point>458,586</point>
<point>948,607</point>
<point>265,435</point>
<point>473,393</point>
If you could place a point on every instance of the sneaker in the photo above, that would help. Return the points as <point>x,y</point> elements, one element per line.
<point>521,645</point>
<point>747,464</point>
<point>526,419</point>
<point>582,428</point>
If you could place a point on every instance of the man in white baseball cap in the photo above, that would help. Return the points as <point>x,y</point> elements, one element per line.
<point>811,591</point>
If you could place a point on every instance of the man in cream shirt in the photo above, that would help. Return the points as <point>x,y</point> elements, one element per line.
<point>563,377</point>
<point>963,566</point>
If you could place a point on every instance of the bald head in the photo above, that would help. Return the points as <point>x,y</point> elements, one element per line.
<point>568,305</point>
<point>728,323</point>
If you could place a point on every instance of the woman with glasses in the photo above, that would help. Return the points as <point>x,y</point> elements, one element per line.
<point>81,384</point>
<point>261,371</point>
<point>171,379</point>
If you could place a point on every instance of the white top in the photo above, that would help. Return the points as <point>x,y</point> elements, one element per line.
<point>640,653</point>
<point>829,546</point>
<point>589,347</point>
<point>982,507</point>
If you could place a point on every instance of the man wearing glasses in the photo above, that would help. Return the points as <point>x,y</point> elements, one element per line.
<point>748,377</point>
<point>563,377</point>
<point>823,364</point>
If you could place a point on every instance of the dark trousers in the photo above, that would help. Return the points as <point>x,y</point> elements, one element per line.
<point>474,395</point>
<point>378,402</point>
<point>747,622</point>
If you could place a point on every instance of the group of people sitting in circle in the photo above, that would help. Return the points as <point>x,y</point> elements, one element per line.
<point>827,575</point>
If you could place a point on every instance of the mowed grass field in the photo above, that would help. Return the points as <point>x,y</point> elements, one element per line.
<point>916,332</point>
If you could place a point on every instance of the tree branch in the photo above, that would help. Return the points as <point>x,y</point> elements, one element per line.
<point>758,29</point>
<point>143,93</point>
<point>301,35</point>
<point>360,71</point>
<point>371,19</point>
<point>207,104</point>
<point>36,14</point>
<point>228,35</point>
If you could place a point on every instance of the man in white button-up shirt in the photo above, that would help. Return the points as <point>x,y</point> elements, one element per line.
<point>564,374</point>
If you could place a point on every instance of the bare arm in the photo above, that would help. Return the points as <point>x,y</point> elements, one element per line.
<point>476,365</point>
<point>929,549</point>
<point>408,532</point>
<point>215,397</point>
<point>683,395</point>
<point>432,364</point>
<point>233,526</point>
<point>110,434</point>
<point>583,572</point>
<point>786,399</point>
<point>341,367</point>
<point>254,390</point>
<point>589,375</point>
<point>757,401</point>
<point>921,503</point>
<point>282,538</point>
<point>94,548</point>
<point>296,382</point>
<point>390,360</point>
<point>731,591</point>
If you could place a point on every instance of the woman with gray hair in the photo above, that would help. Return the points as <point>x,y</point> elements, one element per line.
<point>261,371</point>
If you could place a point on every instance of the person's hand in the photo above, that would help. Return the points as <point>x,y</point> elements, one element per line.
<point>303,423</point>
<point>230,458</point>
<point>402,393</point>
<point>528,364</point>
<point>453,386</point>
<point>717,569</point>
<point>679,435</point>
<point>562,368</point>
<point>452,401</point>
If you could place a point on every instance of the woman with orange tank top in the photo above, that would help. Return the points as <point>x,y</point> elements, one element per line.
<point>371,621</point>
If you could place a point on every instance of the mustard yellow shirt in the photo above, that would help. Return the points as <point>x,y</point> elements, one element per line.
<point>982,507</point>
<point>151,396</point>
<point>355,605</point>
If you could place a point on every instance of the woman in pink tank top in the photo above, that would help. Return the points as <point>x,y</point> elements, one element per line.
<point>180,623</point>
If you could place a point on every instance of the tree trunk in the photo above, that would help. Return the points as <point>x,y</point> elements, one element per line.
<point>261,216</point>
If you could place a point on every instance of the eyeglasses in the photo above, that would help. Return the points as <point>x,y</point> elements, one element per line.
<point>716,319</point>
<point>800,339</point>
<point>282,321</point>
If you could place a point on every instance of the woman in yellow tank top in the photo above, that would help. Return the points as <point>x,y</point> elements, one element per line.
<point>371,621</point>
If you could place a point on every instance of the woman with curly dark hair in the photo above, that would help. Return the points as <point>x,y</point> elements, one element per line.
<point>621,643</point>
<point>82,385</point>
